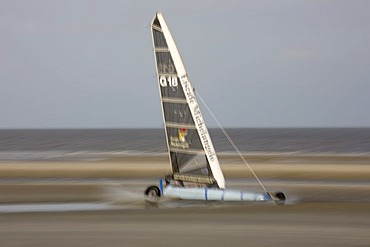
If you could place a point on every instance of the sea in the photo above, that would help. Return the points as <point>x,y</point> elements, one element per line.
<point>64,144</point>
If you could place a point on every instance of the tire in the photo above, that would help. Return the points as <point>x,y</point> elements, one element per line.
<point>281,197</point>
<point>152,194</point>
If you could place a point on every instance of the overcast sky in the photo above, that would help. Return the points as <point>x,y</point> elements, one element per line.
<point>89,64</point>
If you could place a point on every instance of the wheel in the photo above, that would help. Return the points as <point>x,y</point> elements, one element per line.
<point>152,194</point>
<point>281,198</point>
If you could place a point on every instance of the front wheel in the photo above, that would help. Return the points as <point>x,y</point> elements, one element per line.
<point>152,194</point>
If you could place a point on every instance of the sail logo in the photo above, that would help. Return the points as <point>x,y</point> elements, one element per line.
<point>203,134</point>
<point>169,81</point>
<point>198,119</point>
<point>188,89</point>
<point>182,134</point>
<point>175,142</point>
<point>180,141</point>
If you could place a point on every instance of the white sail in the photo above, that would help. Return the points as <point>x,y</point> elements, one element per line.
<point>178,99</point>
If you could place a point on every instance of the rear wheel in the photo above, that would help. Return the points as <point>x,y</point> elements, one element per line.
<point>152,194</point>
<point>281,198</point>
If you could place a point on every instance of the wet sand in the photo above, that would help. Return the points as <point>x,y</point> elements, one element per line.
<point>269,166</point>
<point>310,178</point>
<point>328,204</point>
<point>307,224</point>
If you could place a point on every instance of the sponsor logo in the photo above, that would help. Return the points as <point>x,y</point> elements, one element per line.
<point>198,119</point>
<point>180,141</point>
<point>203,134</point>
<point>182,134</point>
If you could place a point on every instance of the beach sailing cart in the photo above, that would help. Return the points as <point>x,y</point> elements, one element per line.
<point>196,172</point>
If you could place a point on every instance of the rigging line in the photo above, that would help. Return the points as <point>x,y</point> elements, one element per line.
<point>231,142</point>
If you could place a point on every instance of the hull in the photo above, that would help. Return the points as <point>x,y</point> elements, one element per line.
<point>178,190</point>
<point>213,194</point>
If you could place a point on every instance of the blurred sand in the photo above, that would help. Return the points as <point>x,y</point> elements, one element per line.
<point>85,181</point>
<point>270,166</point>
<point>328,204</point>
<point>309,224</point>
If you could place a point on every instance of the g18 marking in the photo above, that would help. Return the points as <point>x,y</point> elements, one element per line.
<point>168,81</point>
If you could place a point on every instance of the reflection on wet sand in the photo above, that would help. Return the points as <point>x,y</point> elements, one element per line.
<point>305,224</point>
<point>96,203</point>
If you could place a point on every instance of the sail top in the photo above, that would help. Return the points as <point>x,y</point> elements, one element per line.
<point>190,146</point>
<point>171,45</point>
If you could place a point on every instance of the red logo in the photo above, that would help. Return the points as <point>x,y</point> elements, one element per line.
<point>182,134</point>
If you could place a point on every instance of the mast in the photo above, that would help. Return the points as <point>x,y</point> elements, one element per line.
<point>187,136</point>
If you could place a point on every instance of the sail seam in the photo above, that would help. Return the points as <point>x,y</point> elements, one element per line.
<point>180,125</point>
<point>157,28</point>
<point>173,100</point>
<point>161,49</point>
<point>187,151</point>
<point>167,74</point>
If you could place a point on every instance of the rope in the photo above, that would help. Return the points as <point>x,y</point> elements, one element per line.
<point>231,142</point>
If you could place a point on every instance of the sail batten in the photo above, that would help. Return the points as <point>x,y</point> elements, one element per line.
<point>189,144</point>
<point>174,100</point>
<point>156,28</point>
<point>161,49</point>
<point>180,125</point>
<point>188,151</point>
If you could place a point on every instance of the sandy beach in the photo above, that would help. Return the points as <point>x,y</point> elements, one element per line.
<point>86,180</point>
<point>308,224</point>
<point>328,204</point>
<point>152,166</point>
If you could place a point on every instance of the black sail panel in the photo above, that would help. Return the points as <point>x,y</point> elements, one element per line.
<point>185,148</point>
